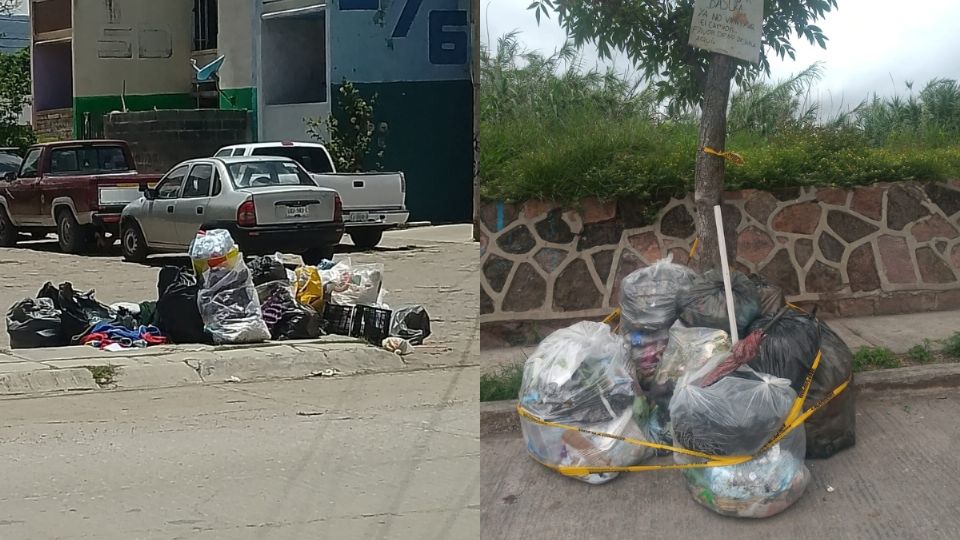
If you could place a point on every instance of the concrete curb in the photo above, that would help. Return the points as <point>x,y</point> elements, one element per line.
<point>501,416</point>
<point>46,371</point>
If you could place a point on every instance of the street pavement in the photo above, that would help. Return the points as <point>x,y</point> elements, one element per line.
<point>385,456</point>
<point>898,482</point>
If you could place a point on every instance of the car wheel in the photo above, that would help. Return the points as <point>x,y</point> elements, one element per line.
<point>132,243</point>
<point>366,238</point>
<point>8,233</point>
<point>72,236</point>
<point>313,257</point>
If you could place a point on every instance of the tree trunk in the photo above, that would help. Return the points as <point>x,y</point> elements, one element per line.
<point>475,75</point>
<point>709,172</point>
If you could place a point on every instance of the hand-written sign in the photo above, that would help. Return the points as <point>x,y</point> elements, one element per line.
<point>731,27</point>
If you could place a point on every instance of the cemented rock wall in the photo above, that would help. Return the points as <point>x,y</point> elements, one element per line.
<point>881,249</point>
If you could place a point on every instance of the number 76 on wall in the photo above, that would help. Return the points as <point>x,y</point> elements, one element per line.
<point>446,45</point>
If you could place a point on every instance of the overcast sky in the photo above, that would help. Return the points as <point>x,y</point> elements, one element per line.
<point>870,41</point>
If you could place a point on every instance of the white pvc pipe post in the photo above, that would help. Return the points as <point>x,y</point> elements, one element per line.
<point>728,288</point>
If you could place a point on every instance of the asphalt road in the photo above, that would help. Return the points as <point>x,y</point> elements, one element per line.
<point>375,456</point>
<point>898,482</point>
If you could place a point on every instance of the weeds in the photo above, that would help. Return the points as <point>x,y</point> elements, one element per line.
<point>951,346</point>
<point>103,375</point>
<point>504,384</point>
<point>874,358</point>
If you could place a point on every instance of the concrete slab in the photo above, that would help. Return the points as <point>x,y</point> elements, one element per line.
<point>48,380</point>
<point>17,367</point>
<point>899,481</point>
<point>156,376</point>
<point>900,332</point>
<point>100,361</point>
<point>287,362</point>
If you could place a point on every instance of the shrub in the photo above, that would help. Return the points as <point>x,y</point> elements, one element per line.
<point>874,357</point>
<point>504,384</point>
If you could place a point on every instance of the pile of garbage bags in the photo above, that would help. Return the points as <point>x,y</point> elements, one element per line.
<point>674,373</point>
<point>222,299</point>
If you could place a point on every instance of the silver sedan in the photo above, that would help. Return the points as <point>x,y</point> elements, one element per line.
<point>268,204</point>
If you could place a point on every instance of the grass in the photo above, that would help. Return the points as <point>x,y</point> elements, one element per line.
<point>103,375</point>
<point>504,384</point>
<point>951,346</point>
<point>867,358</point>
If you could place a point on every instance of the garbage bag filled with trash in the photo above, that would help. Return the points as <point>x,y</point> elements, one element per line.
<point>177,309</point>
<point>285,317</point>
<point>771,296</point>
<point>787,350</point>
<point>411,323</point>
<point>267,269</point>
<point>688,350</point>
<point>35,323</point>
<point>580,376</point>
<point>648,296</point>
<point>646,349</point>
<point>736,416</point>
<point>349,284</point>
<point>704,303</point>
<point>213,248</point>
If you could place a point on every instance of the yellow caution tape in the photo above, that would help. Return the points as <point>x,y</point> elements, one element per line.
<point>729,156</point>
<point>693,248</point>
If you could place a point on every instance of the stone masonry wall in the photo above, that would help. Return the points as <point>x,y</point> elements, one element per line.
<point>54,125</point>
<point>881,249</point>
<point>161,139</point>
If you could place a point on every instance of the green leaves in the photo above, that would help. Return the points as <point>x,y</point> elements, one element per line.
<point>349,142</point>
<point>14,96</point>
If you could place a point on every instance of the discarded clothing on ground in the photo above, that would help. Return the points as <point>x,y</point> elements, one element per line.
<point>704,304</point>
<point>103,335</point>
<point>35,323</point>
<point>78,311</point>
<point>788,350</point>
<point>771,296</point>
<point>284,316</point>
<point>648,296</point>
<point>411,323</point>
<point>735,416</point>
<point>177,310</point>
<point>580,376</point>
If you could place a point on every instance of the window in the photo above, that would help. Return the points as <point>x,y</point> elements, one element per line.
<point>313,159</point>
<point>198,183</point>
<point>224,153</point>
<point>204,25</point>
<point>29,168</point>
<point>269,173</point>
<point>216,184</point>
<point>169,187</point>
<point>104,159</point>
<point>238,152</point>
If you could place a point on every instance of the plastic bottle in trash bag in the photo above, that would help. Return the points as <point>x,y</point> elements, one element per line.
<point>580,376</point>
<point>648,296</point>
<point>704,303</point>
<point>788,350</point>
<point>737,415</point>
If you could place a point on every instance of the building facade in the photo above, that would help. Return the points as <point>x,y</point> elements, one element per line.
<point>285,61</point>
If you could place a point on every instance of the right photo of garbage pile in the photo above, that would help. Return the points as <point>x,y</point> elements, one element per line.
<point>715,301</point>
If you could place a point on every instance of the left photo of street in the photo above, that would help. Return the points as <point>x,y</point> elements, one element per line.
<point>239,269</point>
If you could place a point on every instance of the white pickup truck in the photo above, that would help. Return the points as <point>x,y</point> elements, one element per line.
<point>372,202</point>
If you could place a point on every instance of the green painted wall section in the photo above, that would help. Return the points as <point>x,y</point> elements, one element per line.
<point>243,99</point>
<point>98,106</point>
<point>430,139</point>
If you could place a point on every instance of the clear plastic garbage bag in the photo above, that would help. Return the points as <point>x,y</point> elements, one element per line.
<point>352,284</point>
<point>229,305</point>
<point>580,376</point>
<point>648,296</point>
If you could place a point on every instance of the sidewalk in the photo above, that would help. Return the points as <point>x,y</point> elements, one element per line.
<point>899,481</point>
<point>896,332</point>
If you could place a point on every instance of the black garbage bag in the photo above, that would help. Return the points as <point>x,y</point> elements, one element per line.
<point>79,311</point>
<point>787,351</point>
<point>33,324</point>
<point>148,314</point>
<point>704,303</point>
<point>285,317</point>
<point>49,290</point>
<point>771,296</point>
<point>411,323</point>
<point>177,311</point>
<point>267,269</point>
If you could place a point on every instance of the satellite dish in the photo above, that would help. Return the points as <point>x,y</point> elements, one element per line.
<point>208,71</point>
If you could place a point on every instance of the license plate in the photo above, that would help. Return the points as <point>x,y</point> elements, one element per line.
<point>296,211</point>
<point>359,216</point>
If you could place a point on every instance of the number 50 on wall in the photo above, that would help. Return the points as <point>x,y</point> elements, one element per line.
<point>447,34</point>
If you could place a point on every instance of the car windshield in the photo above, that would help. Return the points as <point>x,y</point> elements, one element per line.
<point>9,162</point>
<point>254,174</point>
<point>312,158</point>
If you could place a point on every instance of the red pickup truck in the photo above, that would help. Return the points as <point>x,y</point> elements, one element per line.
<point>76,189</point>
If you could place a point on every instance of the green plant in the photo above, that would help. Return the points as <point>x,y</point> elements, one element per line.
<point>103,375</point>
<point>921,352</point>
<point>504,384</point>
<point>14,96</point>
<point>951,346</point>
<point>874,357</point>
<point>350,133</point>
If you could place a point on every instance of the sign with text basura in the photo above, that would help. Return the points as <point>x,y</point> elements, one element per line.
<point>400,40</point>
<point>731,27</point>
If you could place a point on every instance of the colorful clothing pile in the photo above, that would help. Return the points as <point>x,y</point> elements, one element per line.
<point>104,334</point>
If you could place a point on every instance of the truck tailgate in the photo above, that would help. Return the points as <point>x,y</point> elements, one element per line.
<point>120,190</point>
<point>363,191</point>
